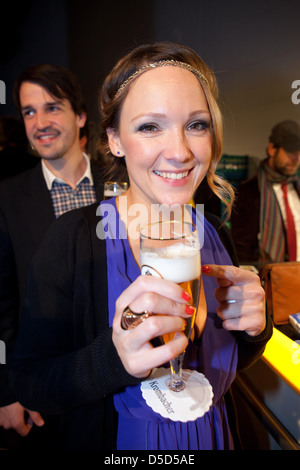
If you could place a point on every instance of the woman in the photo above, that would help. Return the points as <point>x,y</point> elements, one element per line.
<point>160,122</point>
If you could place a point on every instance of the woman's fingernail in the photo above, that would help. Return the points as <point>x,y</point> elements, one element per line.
<point>186,296</point>
<point>206,268</point>
<point>189,309</point>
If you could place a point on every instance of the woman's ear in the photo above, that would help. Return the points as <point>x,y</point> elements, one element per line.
<point>114,142</point>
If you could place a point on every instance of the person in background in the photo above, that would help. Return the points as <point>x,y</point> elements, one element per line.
<point>161,124</point>
<point>50,101</point>
<point>265,220</point>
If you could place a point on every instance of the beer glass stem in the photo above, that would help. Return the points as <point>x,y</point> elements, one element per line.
<point>177,384</point>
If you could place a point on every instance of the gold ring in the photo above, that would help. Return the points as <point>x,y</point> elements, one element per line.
<point>130,319</point>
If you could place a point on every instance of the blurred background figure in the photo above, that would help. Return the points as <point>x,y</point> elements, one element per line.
<point>51,105</point>
<point>266,219</point>
<point>15,154</point>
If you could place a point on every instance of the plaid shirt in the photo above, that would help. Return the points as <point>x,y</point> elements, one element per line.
<point>65,198</point>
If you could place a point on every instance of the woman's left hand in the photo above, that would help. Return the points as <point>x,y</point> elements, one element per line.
<point>241,298</point>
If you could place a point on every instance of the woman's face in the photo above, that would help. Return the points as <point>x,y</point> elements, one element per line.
<point>164,134</point>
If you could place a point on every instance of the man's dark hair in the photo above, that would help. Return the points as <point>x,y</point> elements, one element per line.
<point>59,82</point>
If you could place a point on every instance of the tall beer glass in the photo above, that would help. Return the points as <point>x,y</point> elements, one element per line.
<point>171,250</point>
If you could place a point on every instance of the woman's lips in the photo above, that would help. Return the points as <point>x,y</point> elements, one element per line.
<point>170,175</point>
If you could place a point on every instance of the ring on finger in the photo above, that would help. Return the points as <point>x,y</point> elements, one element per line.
<point>130,319</point>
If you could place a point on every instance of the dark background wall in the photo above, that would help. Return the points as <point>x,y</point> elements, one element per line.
<point>253,47</point>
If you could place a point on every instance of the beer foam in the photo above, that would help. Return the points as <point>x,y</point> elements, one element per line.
<point>178,263</point>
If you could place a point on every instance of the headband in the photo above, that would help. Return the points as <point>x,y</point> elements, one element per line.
<point>162,63</point>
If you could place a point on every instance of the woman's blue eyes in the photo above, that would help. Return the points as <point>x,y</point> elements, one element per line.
<point>147,128</point>
<point>196,125</point>
<point>199,125</point>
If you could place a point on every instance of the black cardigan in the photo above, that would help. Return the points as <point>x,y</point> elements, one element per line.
<point>65,361</point>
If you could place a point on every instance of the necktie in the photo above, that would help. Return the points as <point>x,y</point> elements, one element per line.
<point>290,226</point>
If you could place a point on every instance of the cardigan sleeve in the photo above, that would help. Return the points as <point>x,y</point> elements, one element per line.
<point>251,347</point>
<point>60,360</point>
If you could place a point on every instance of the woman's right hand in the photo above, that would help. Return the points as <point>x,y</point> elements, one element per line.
<point>170,304</point>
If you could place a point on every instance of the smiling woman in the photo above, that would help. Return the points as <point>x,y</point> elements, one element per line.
<point>160,122</point>
<point>165,59</point>
<point>166,142</point>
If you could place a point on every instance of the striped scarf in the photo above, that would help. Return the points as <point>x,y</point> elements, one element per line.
<point>272,241</point>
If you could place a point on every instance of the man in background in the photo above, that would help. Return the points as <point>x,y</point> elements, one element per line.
<point>51,104</point>
<point>266,218</point>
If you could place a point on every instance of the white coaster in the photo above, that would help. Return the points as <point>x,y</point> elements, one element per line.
<point>187,405</point>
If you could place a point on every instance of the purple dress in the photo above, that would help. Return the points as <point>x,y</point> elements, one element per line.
<point>215,355</point>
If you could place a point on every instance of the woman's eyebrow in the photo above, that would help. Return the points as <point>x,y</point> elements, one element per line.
<point>149,115</point>
<point>163,116</point>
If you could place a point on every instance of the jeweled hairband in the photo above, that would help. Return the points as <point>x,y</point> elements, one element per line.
<point>162,63</point>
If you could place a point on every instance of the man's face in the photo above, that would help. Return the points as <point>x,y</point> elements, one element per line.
<point>282,161</point>
<point>51,125</point>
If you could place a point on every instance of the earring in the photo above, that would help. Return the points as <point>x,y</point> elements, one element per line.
<point>118,153</point>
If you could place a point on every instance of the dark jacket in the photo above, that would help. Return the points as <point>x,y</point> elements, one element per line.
<point>26,213</point>
<point>245,221</point>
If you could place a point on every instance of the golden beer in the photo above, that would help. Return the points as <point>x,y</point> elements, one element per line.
<point>178,263</point>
